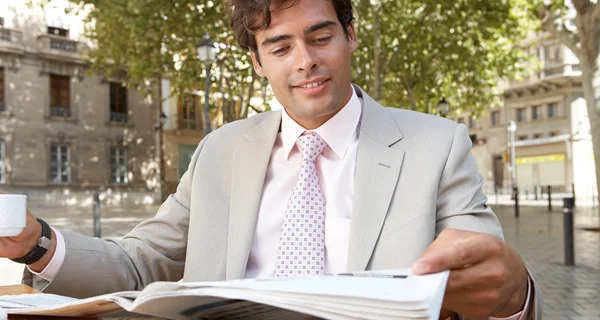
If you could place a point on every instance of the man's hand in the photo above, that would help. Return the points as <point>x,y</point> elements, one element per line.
<point>487,277</point>
<point>19,246</point>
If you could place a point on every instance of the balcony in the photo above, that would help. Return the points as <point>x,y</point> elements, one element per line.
<point>60,112</point>
<point>117,117</point>
<point>57,47</point>
<point>11,40</point>
<point>560,69</point>
<point>188,124</point>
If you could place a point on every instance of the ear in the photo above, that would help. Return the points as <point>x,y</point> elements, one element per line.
<point>352,40</point>
<point>257,67</point>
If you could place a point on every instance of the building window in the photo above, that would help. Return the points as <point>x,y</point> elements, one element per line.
<point>523,137</point>
<point>187,112</point>
<point>535,113</point>
<point>60,163</point>
<point>2,97</point>
<point>521,116</point>
<point>118,166</point>
<point>60,97</point>
<point>471,123</point>
<point>537,135</point>
<point>58,32</point>
<point>118,102</point>
<point>495,118</point>
<point>552,55</point>
<point>553,133</point>
<point>2,162</point>
<point>552,110</point>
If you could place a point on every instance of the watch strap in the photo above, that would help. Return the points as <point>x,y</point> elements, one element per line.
<point>44,244</point>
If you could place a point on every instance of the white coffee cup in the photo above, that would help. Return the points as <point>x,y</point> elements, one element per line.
<point>13,214</point>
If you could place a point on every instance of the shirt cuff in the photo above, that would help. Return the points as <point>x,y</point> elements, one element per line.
<point>523,313</point>
<point>49,273</point>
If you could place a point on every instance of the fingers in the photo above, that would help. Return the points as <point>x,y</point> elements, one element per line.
<point>457,249</point>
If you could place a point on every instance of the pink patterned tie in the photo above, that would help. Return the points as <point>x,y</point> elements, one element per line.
<point>302,244</point>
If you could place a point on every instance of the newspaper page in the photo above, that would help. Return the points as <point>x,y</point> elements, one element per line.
<point>395,294</point>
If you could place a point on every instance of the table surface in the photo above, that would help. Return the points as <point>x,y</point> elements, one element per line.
<point>23,289</point>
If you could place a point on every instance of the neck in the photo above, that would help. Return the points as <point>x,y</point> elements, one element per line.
<point>314,123</point>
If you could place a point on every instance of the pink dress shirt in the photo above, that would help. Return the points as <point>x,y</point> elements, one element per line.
<point>335,168</point>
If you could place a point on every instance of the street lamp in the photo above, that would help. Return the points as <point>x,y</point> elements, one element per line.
<point>162,120</point>
<point>206,53</point>
<point>443,107</point>
<point>511,127</point>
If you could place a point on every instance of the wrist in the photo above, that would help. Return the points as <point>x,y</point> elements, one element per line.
<point>32,240</point>
<point>517,301</point>
<point>41,264</point>
<point>44,244</point>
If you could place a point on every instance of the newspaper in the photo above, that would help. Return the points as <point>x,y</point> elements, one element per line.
<point>391,294</point>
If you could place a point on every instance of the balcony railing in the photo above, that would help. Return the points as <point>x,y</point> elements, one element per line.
<point>63,44</point>
<point>10,35</point>
<point>118,117</point>
<point>189,124</point>
<point>61,112</point>
<point>5,35</point>
<point>560,69</point>
<point>58,46</point>
<point>11,39</point>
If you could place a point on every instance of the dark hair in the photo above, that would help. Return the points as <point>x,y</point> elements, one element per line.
<point>251,16</point>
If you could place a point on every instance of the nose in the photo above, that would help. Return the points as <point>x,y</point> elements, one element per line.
<point>306,58</point>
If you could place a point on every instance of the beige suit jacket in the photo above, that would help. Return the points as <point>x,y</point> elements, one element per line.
<point>414,177</point>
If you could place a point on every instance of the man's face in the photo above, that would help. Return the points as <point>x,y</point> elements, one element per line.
<point>305,55</point>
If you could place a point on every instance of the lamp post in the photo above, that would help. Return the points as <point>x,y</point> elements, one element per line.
<point>512,128</point>
<point>206,53</point>
<point>443,107</point>
<point>162,120</point>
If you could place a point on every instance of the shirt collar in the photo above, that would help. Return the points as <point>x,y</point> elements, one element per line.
<point>337,132</point>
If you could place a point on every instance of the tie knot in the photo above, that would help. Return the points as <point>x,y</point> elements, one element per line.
<point>311,145</point>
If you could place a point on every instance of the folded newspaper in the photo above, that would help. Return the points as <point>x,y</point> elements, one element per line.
<point>390,294</point>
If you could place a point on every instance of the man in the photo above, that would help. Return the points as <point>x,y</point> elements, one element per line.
<point>333,183</point>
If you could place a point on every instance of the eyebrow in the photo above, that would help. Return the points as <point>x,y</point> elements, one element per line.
<point>309,30</point>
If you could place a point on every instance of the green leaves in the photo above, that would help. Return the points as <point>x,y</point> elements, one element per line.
<point>153,38</point>
<point>431,50</point>
<point>412,52</point>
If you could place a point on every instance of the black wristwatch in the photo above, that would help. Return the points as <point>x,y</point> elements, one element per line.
<point>44,244</point>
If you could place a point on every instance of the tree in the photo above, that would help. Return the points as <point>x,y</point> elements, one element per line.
<point>415,52</point>
<point>153,39</point>
<point>576,24</point>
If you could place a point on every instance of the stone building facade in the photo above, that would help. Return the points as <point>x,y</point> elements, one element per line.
<point>65,134</point>
<point>552,141</point>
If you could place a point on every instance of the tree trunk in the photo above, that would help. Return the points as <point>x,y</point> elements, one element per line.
<point>589,36</point>
<point>249,95</point>
<point>376,91</point>
<point>588,75</point>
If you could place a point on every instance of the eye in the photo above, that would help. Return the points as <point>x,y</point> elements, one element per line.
<point>279,51</point>
<point>323,39</point>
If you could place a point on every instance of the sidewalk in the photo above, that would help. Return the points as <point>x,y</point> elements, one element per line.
<point>571,293</point>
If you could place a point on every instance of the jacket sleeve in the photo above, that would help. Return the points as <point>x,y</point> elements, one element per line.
<point>155,250</point>
<point>462,205</point>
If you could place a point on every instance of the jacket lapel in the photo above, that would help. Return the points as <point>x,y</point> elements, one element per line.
<point>377,172</point>
<point>250,164</point>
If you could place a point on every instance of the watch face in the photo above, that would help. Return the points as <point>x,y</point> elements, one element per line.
<point>45,243</point>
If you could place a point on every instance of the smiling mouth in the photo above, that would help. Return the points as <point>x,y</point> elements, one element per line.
<point>312,85</point>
